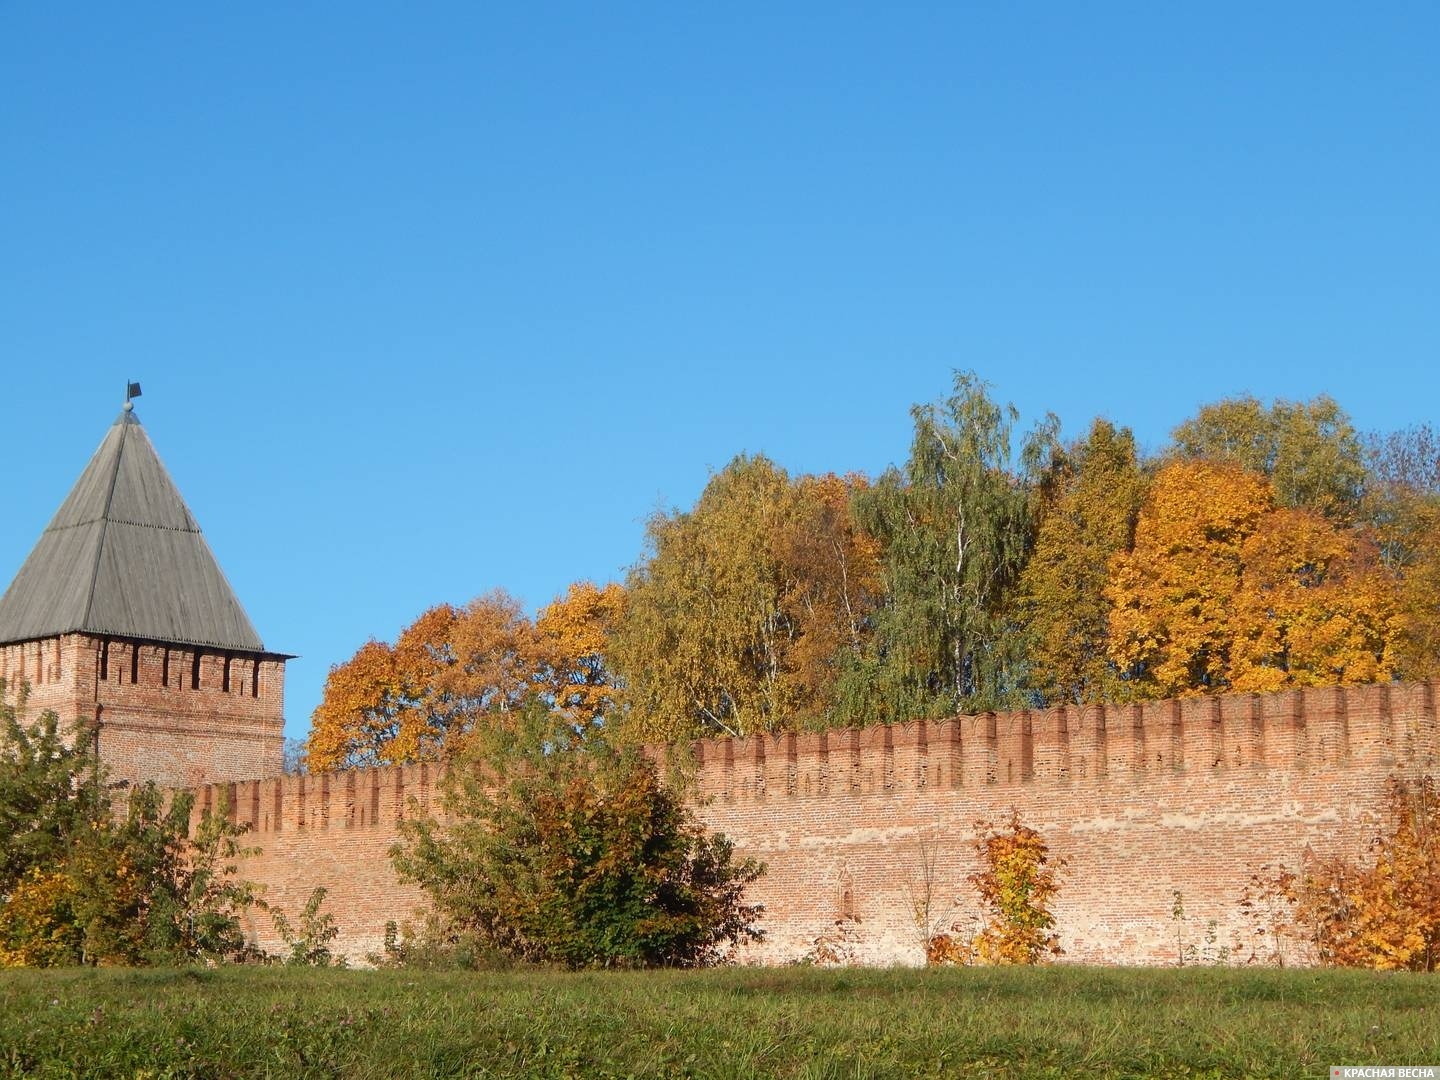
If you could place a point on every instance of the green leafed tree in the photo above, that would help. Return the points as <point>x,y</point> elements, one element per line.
<point>1403,506</point>
<point>81,884</point>
<point>955,527</point>
<point>1308,450</point>
<point>48,792</point>
<point>559,849</point>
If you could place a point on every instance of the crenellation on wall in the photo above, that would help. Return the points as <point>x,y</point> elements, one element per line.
<point>910,755</point>
<point>1283,722</point>
<point>976,743</point>
<point>1085,743</point>
<point>1050,745</point>
<point>1189,796</point>
<point>1406,729</point>
<point>874,764</point>
<point>144,721</point>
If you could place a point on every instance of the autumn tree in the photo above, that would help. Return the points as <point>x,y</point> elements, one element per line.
<point>455,669</point>
<point>1062,603</point>
<point>1417,648</point>
<point>830,587</point>
<point>84,884</point>
<point>1315,607</point>
<point>559,849</point>
<point>955,528</point>
<point>1308,450</point>
<point>1017,883</point>
<point>739,618</point>
<point>1225,591</point>
<point>1403,506</point>
<point>1172,595</point>
<point>574,633</point>
<point>1384,911</point>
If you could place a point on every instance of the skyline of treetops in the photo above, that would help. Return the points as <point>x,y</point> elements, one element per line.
<point>1266,546</point>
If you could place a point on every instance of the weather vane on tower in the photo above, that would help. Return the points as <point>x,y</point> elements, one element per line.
<point>132,391</point>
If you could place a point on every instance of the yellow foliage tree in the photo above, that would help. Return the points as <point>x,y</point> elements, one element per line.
<point>1172,595</point>
<point>1384,915</point>
<point>38,923</point>
<point>1223,591</point>
<point>1417,651</point>
<point>1017,883</point>
<point>1062,602</point>
<point>739,619</point>
<point>574,633</point>
<point>1315,607</point>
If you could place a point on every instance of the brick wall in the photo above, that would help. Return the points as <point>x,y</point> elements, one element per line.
<point>1141,800</point>
<point>178,715</point>
<point>330,829</point>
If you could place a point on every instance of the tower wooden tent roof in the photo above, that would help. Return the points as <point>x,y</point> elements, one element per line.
<point>124,556</point>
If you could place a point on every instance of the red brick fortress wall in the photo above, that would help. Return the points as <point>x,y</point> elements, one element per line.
<point>45,672</point>
<point>333,830</point>
<point>1142,801</point>
<point>178,715</point>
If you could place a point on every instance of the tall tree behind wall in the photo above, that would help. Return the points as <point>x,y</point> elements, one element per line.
<point>735,620</point>
<point>1062,602</point>
<point>1403,506</point>
<point>955,529</point>
<point>1308,450</point>
<point>458,668</point>
<point>1223,591</point>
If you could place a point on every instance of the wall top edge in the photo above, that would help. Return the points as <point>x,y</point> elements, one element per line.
<point>415,777</point>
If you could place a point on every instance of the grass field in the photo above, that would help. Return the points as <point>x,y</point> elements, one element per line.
<point>1060,1021</point>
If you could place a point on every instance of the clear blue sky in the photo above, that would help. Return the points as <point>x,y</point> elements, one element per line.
<point>432,299</point>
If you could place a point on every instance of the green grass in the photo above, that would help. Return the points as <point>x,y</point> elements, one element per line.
<point>803,1023</point>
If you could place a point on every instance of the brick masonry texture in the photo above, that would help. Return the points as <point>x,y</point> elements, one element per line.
<point>1142,801</point>
<point>178,715</point>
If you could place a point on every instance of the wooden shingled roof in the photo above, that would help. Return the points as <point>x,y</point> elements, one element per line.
<point>124,556</point>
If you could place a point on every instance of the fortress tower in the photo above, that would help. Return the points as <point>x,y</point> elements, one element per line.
<point>122,622</point>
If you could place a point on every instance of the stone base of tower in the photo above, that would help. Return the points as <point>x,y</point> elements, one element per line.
<point>175,714</point>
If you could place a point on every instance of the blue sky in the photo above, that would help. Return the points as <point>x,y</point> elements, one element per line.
<point>433,299</point>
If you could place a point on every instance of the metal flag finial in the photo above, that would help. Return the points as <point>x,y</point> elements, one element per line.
<point>132,391</point>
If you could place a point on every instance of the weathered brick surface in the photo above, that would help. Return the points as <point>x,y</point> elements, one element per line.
<point>331,829</point>
<point>178,715</point>
<point>1142,800</point>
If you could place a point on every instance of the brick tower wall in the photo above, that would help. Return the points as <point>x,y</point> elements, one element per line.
<point>178,715</point>
<point>1142,801</point>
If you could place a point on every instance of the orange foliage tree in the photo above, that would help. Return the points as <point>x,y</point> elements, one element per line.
<point>1315,607</point>
<point>454,668</point>
<point>574,633</point>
